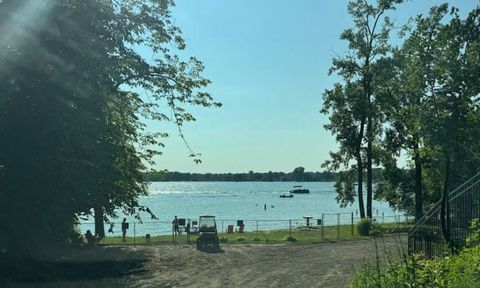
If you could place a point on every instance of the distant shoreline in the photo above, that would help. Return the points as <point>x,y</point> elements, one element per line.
<point>297,175</point>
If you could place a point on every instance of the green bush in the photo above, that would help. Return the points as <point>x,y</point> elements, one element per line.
<point>289,238</point>
<point>256,239</point>
<point>453,271</point>
<point>240,238</point>
<point>460,271</point>
<point>364,226</point>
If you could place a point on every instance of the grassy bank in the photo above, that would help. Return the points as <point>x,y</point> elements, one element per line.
<point>302,236</point>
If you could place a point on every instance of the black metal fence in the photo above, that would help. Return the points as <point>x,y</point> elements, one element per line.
<point>426,236</point>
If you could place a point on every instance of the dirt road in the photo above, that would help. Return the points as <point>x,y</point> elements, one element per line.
<point>289,265</point>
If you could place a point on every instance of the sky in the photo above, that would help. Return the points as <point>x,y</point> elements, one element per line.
<point>268,62</point>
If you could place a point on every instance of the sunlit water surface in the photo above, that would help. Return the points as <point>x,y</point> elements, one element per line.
<point>244,201</point>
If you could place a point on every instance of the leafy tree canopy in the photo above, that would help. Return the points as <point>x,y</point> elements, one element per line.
<point>72,124</point>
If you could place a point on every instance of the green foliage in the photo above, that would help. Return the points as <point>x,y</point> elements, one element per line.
<point>298,174</point>
<point>397,188</point>
<point>462,270</point>
<point>355,116</point>
<point>436,97</point>
<point>345,187</point>
<point>364,226</point>
<point>72,126</point>
<point>474,239</point>
<point>240,239</point>
<point>420,98</point>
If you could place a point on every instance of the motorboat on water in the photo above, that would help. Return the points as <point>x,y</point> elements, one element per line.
<point>298,189</point>
<point>286,196</point>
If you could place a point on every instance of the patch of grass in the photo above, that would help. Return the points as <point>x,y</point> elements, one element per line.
<point>302,236</point>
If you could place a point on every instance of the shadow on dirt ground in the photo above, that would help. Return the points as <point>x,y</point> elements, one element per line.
<point>325,265</point>
<point>211,250</point>
<point>75,264</point>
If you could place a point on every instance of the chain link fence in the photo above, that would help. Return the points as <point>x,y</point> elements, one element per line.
<point>326,226</point>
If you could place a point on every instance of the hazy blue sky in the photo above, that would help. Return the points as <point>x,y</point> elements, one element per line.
<point>268,63</point>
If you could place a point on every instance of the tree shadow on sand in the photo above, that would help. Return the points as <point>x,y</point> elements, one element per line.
<point>75,265</point>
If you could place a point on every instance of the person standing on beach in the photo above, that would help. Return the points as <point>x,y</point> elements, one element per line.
<point>124,229</point>
<point>187,230</point>
<point>175,229</point>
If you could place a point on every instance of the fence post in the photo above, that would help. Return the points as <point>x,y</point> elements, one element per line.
<point>323,223</point>
<point>290,227</point>
<point>222,228</point>
<point>257,226</point>
<point>383,217</point>
<point>352,223</point>
<point>134,233</point>
<point>338,225</point>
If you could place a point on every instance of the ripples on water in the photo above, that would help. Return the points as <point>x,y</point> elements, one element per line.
<point>246,200</point>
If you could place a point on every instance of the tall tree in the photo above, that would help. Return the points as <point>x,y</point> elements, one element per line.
<point>405,91</point>
<point>454,117</point>
<point>298,174</point>
<point>367,42</point>
<point>72,131</point>
<point>434,113</point>
<point>343,103</point>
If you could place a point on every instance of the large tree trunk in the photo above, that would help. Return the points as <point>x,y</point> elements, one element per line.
<point>444,209</point>
<point>369,168</point>
<point>99,224</point>
<point>368,88</point>
<point>358,155</point>
<point>418,183</point>
<point>361,206</point>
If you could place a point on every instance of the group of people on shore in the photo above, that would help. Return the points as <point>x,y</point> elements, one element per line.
<point>176,223</point>
<point>93,239</point>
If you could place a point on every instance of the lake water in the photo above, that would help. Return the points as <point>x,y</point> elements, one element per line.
<point>231,201</point>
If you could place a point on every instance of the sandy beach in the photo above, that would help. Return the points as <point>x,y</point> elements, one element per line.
<point>235,265</point>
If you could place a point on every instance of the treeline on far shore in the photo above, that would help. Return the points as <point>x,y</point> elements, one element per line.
<point>297,175</point>
<point>167,176</point>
